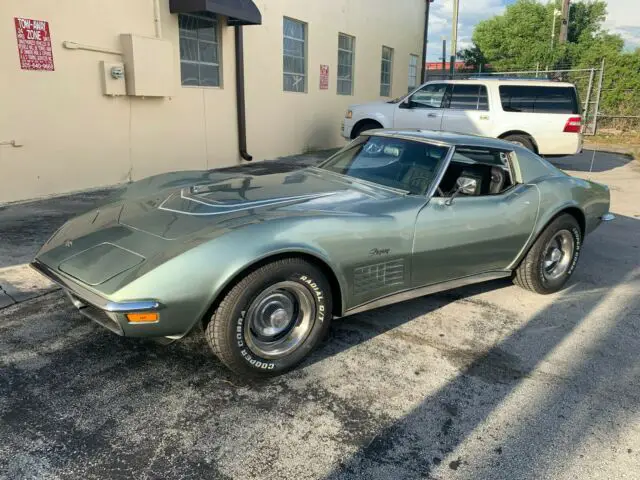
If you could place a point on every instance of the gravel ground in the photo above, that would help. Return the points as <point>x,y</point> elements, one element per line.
<point>483,382</point>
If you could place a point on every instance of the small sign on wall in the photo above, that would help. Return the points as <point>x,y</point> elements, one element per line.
<point>34,44</point>
<point>324,77</point>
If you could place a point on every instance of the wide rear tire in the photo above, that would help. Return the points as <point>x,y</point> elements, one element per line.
<point>271,319</point>
<point>552,258</point>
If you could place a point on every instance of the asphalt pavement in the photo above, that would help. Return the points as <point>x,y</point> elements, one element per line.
<point>482,382</point>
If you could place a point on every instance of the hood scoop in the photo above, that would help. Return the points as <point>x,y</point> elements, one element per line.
<point>208,200</point>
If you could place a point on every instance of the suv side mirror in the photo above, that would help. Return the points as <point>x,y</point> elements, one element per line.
<point>406,103</point>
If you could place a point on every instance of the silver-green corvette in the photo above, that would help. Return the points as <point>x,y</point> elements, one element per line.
<point>263,257</point>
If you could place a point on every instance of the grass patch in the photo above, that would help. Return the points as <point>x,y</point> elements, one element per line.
<point>624,142</point>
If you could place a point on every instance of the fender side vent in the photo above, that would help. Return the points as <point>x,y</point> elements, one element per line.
<point>378,275</point>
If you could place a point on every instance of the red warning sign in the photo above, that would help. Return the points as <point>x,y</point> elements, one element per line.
<point>34,44</point>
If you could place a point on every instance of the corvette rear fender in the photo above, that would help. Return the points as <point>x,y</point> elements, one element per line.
<point>544,219</point>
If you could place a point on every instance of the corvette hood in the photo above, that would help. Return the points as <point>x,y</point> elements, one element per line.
<point>117,242</point>
<point>230,202</point>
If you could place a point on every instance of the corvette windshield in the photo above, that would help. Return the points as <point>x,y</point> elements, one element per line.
<point>402,164</point>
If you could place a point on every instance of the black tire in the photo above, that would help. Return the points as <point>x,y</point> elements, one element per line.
<point>522,140</point>
<point>533,274</point>
<point>367,125</point>
<point>231,336</point>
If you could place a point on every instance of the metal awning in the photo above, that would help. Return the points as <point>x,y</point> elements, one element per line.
<point>239,12</point>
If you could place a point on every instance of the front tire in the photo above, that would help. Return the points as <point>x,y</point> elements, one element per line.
<point>552,258</point>
<point>271,319</point>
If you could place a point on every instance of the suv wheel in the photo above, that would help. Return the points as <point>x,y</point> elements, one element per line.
<point>521,140</point>
<point>364,127</point>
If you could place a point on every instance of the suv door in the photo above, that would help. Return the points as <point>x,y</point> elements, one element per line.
<point>466,109</point>
<point>423,109</point>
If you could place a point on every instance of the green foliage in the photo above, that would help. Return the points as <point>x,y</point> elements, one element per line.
<point>520,39</point>
<point>472,57</point>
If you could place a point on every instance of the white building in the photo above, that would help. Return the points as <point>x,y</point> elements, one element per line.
<point>132,88</point>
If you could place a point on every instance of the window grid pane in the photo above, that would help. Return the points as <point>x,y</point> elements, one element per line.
<point>199,50</point>
<point>385,71</point>
<point>345,64</point>
<point>293,56</point>
<point>413,72</point>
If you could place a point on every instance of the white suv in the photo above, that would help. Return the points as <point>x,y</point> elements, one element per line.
<point>542,115</point>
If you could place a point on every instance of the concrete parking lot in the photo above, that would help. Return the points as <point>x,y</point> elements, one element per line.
<point>483,382</point>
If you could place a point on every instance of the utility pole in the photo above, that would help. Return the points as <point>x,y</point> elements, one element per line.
<point>454,36</point>
<point>425,40</point>
<point>444,56</point>
<point>564,26</point>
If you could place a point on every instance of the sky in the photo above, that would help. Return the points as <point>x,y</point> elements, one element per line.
<point>623,18</point>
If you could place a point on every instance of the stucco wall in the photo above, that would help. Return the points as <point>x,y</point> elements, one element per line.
<point>75,138</point>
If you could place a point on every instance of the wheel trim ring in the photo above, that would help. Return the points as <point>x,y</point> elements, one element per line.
<point>298,330</point>
<point>558,255</point>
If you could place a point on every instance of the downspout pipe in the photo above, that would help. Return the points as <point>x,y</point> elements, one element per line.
<point>424,40</point>
<point>240,102</point>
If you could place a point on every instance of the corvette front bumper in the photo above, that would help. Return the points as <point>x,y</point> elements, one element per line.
<point>109,314</point>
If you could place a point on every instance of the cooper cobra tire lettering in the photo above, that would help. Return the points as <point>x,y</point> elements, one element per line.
<point>530,273</point>
<point>576,253</point>
<point>318,293</point>
<point>226,332</point>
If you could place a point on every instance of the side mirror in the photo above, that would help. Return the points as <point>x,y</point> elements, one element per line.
<point>406,103</point>
<point>465,185</point>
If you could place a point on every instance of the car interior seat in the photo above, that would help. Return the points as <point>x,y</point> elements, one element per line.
<point>498,179</point>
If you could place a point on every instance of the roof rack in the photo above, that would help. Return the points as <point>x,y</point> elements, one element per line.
<point>495,77</point>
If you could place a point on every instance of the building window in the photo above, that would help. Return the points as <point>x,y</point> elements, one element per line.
<point>385,71</point>
<point>346,47</point>
<point>293,58</point>
<point>413,71</point>
<point>199,50</point>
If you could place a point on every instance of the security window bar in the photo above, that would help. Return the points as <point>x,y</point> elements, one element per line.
<point>385,71</point>
<point>346,44</point>
<point>199,50</point>
<point>294,65</point>
<point>413,72</point>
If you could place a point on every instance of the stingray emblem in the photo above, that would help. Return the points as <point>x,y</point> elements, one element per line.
<point>68,243</point>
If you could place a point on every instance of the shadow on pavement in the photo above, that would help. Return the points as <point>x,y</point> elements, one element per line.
<point>592,160</point>
<point>590,392</point>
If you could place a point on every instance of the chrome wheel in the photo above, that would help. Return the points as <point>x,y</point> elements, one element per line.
<point>279,319</point>
<point>558,255</point>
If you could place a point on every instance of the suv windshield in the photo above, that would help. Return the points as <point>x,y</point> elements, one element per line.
<point>406,165</point>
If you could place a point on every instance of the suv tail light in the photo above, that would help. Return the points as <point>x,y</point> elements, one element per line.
<point>573,125</point>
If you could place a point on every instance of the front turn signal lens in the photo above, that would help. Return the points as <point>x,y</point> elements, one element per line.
<point>349,114</point>
<point>146,317</point>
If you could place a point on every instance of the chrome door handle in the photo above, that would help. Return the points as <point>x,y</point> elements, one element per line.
<point>432,115</point>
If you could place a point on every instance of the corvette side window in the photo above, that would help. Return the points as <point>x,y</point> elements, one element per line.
<point>487,169</point>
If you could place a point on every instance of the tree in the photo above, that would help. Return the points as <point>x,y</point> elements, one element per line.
<point>520,38</point>
<point>473,57</point>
